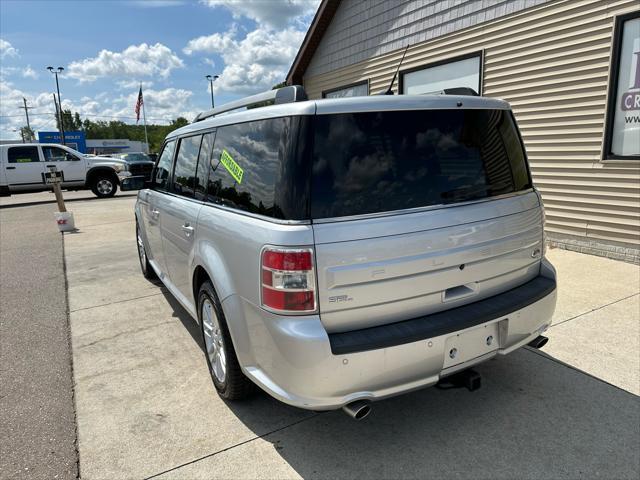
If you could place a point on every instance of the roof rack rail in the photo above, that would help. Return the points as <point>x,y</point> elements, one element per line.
<point>290,94</point>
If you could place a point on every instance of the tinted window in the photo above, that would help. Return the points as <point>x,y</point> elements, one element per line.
<point>259,167</point>
<point>186,161</point>
<point>23,155</point>
<point>163,167</point>
<point>384,161</point>
<point>56,154</point>
<point>203,165</point>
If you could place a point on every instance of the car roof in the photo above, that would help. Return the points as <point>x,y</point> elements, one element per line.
<point>374,103</point>
<point>24,144</point>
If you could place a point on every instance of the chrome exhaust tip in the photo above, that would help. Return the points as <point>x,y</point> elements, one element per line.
<point>538,342</point>
<point>357,410</point>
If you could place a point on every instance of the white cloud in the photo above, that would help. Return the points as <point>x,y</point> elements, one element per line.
<point>216,43</point>
<point>7,50</point>
<point>30,73</point>
<point>129,84</point>
<point>252,64</point>
<point>276,14</point>
<point>12,116</point>
<point>134,61</point>
<point>162,106</point>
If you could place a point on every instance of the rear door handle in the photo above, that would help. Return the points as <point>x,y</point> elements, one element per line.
<point>11,168</point>
<point>187,229</point>
<point>50,166</point>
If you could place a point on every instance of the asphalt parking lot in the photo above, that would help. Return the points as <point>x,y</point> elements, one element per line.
<point>145,406</point>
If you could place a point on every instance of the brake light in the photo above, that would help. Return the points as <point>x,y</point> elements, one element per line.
<point>288,279</point>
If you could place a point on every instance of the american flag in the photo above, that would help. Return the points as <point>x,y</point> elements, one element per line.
<point>139,104</point>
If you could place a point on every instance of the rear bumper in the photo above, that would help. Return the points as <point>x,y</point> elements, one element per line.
<point>297,362</point>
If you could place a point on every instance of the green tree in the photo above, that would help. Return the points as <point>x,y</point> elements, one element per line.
<point>71,122</point>
<point>27,134</point>
<point>102,129</point>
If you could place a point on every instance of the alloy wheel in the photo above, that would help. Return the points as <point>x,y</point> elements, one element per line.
<point>214,342</point>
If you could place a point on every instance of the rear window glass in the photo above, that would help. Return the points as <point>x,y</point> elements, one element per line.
<point>384,161</point>
<point>256,167</point>
<point>23,155</point>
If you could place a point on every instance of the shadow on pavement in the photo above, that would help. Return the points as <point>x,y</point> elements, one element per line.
<point>533,418</point>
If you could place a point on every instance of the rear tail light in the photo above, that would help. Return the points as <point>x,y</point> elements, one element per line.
<point>288,279</point>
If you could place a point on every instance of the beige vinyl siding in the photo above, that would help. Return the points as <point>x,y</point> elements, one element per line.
<point>551,63</point>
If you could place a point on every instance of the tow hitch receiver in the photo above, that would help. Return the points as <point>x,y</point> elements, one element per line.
<point>469,379</point>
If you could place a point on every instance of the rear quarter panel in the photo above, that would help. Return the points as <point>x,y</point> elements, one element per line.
<point>228,246</point>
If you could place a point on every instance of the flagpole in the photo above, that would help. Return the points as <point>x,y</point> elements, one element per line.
<point>144,118</point>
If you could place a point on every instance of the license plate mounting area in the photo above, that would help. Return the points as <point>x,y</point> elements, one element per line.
<point>467,345</point>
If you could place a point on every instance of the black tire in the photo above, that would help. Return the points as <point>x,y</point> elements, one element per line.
<point>235,385</point>
<point>147,270</point>
<point>104,185</point>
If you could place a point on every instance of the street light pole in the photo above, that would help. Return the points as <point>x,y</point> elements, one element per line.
<point>211,79</point>
<point>55,72</point>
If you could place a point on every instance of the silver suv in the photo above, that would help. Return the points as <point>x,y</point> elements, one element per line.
<point>337,252</point>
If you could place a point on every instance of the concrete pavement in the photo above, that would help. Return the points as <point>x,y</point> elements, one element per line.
<point>37,422</point>
<point>596,327</point>
<point>146,406</point>
<point>47,197</point>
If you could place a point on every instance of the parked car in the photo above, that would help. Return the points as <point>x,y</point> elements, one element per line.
<point>139,163</point>
<point>340,251</point>
<point>23,165</point>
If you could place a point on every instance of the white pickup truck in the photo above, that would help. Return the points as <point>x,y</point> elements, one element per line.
<point>23,165</point>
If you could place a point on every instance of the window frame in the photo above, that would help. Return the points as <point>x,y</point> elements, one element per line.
<point>350,85</point>
<point>175,164</point>
<point>40,157</point>
<point>67,154</point>
<point>155,167</point>
<point>612,91</point>
<point>478,53</point>
<point>201,197</point>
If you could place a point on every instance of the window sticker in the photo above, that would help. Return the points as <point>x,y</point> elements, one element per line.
<point>232,167</point>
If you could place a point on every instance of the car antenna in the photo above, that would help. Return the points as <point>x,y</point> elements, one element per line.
<point>389,91</point>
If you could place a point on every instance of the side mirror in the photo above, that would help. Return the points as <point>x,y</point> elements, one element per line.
<point>70,157</point>
<point>134,183</point>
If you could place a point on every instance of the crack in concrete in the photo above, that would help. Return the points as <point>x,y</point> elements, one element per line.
<point>134,331</point>
<point>213,454</point>
<point>162,290</point>
<point>595,309</point>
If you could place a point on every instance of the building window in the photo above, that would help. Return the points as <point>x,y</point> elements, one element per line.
<point>360,89</point>
<point>622,134</point>
<point>456,72</point>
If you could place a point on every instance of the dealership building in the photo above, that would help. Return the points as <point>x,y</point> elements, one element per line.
<point>78,141</point>
<point>569,68</point>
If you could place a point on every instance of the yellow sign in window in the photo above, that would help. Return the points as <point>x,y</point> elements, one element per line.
<point>232,167</point>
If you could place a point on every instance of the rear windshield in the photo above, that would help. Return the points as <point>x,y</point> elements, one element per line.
<point>384,161</point>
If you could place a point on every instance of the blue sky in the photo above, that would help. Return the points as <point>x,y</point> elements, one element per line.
<point>108,47</point>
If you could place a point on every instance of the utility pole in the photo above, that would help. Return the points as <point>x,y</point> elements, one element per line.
<point>55,104</point>
<point>26,111</point>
